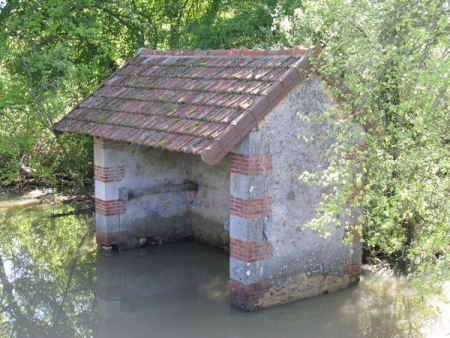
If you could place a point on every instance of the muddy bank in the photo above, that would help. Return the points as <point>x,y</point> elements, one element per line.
<point>15,197</point>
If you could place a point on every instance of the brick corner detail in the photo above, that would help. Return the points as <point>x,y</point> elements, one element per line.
<point>110,207</point>
<point>109,174</point>
<point>250,208</point>
<point>246,296</point>
<point>109,144</point>
<point>352,269</point>
<point>352,232</point>
<point>111,238</point>
<point>250,251</point>
<point>251,165</point>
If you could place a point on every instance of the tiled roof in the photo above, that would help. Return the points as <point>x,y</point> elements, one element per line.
<point>197,102</point>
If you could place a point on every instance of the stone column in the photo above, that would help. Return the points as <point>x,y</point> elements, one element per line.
<point>249,206</point>
<point>108,172</point>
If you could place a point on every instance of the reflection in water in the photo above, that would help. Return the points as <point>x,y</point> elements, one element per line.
<point>180,290</point>
<point>175,290</point>
<point>54,284</point>
<point>47,272</point>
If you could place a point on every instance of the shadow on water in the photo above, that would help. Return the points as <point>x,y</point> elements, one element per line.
<point>55,284</point>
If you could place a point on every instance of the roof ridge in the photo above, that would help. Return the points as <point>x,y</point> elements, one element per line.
<point>227,52</point>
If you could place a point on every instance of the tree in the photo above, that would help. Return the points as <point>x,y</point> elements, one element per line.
<point>237,24</point>
<point>387,63</point>
<point>47,273</point>
<point>53,53</point>
<point>49,50</point>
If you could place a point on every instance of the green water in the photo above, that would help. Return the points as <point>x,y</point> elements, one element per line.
<point>54,283</point>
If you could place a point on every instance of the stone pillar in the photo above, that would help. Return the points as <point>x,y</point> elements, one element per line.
<point>249,206</point>
<point>108,173</point>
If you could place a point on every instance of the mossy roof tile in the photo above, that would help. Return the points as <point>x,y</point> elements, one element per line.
<point>187,101</point>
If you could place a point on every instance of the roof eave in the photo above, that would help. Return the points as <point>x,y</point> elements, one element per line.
<point>240,127</point>
<point>54,125</point>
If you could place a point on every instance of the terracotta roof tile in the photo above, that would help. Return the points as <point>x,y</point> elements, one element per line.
<point>115,80</point>
<point>78,113</point>
<point>180,141</point>
<point>223,115</point>
<point>184,96</point>
<point>196,146</point>
<point>197,102</point>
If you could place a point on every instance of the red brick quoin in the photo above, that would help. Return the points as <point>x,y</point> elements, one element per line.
<point>109,174</point>
<point>250,251</point>
<point>251,165</point>
<point>246,296</point>
<point>250,209</point>
<point>352,269</point>
<point>352,232</point>
<point>109,207</point>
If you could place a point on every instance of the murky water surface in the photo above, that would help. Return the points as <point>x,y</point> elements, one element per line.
<point>54,284</point>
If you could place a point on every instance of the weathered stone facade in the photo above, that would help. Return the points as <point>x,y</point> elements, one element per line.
<point>273,260</point>
<point>209,145</point>
<point>128,209</point>
<point>251,203</point>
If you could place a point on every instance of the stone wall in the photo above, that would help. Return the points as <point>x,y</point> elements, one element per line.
<point>211,203</point>
<point>273,259</point>
<point>251,202</point>
<point>138,196</point>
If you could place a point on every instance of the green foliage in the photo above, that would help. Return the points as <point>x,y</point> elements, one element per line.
<point>47,271</point>
<point>387,63</point>
<point>53,53</point>
<point>237,24</point>
<point>387,305</point>
<point>206,24</point>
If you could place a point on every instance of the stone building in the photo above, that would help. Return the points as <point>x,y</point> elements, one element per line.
<point>205,145</point>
